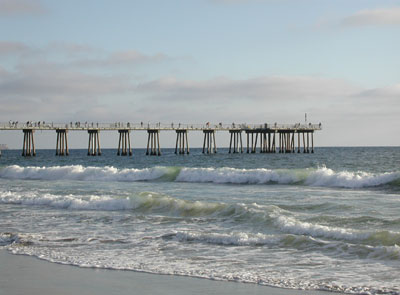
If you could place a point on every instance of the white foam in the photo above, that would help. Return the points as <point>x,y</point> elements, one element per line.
<point>89,202</point>
<point>234,239</point>
<point>329,178</point>
<point>239,176</point>
<point>313,177</point>
<point>291,225</point>
<point>291,240</point>
<point>79,172</point>
<point>145,202</point>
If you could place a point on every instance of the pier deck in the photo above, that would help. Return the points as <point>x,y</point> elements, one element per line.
<point>265,134</point>
<point>162,127</point>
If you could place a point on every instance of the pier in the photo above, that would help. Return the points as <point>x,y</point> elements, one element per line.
<point>264,138</point>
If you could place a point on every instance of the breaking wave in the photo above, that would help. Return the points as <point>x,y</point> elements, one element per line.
<point>302,242</point>
<point>323,176</point>
<point>272,218</point>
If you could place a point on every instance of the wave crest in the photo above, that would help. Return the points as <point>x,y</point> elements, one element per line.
<point>79,172</point>
<point>323,176</point>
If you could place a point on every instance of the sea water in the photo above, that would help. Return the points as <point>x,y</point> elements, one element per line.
<point>323,221</point>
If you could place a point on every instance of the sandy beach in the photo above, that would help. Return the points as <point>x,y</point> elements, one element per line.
<point>28,275</point>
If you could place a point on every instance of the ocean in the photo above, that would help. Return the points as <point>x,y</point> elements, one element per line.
<point>323,221</point>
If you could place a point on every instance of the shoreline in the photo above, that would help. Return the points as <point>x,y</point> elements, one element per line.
<point>22,274</point>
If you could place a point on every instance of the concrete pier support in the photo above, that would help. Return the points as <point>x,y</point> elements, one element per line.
<point>236,139</point>
<point>254,149</point>
<point>298,142</point>
<point>28,146</point>
<point>263,142</point>
<point>124,143</point>
<point>273,144</point>
<point>306,142</point>
<point>94,142</point>
<point>267,141</point>
<point>209,144</point>
<point>294,141</point>
<point>153,142</point>
<point>270,142</point>
<point>289,143</point>
<point>62,142</point>
<point>312,142</point>
<point>181,141</point>
<point>252,138</point>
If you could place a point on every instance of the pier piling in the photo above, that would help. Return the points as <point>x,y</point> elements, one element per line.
<point>124,143</point>
<point>312,142</point>
<point>62,142</point>
<point>236,139</point>
<point>94,143</point>
<point>153,142</point>
<point>181,142</point>
<point>28,146</point>
<point>209,144</point>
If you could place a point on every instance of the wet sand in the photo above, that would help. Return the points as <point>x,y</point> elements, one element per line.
<point>28,275</point>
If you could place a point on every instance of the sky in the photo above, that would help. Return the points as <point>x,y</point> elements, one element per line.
<point>197,61</point>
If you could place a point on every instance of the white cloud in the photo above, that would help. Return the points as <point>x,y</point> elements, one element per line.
<point>382,16</point>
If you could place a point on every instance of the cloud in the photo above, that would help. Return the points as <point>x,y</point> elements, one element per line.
<point>53,93</point>
<point>21,7</point>
<point>237,1</point>
<point>70,49</point>
<point>122,58</point>
<point>271,88</point>
<point>68,77</point>
<point>383,16</point>
<point>43,87</point>
<point>79,55</point>
<point>13,48</point>
<point>52,84</point>
<point>49,80</point>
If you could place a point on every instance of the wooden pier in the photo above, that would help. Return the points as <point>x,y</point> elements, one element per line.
<point>266,138</point>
